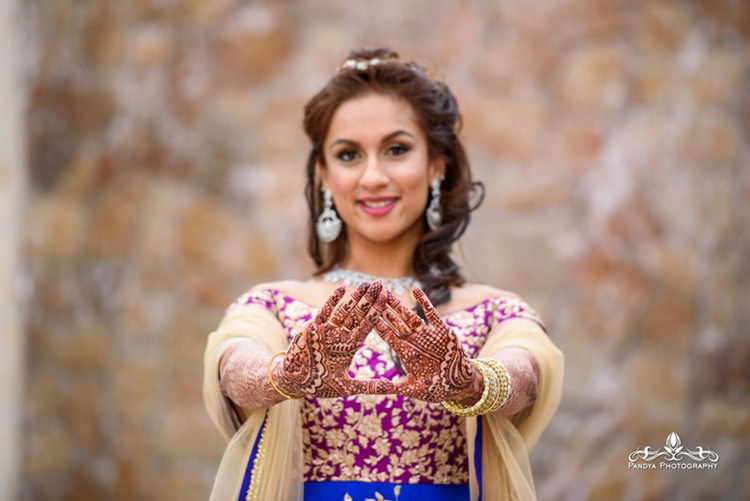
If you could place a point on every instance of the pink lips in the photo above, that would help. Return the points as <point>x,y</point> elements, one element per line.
<point>377,206</point>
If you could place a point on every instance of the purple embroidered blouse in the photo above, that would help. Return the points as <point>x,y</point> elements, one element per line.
<point>389,438</point>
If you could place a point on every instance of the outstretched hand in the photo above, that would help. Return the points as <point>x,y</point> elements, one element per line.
<point>318,359</point>
<point>437,368</point>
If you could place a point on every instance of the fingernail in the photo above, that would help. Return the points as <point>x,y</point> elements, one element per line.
<point>363,285</point>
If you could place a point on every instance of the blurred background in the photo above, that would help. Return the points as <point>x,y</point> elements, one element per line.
<point>151,170</point>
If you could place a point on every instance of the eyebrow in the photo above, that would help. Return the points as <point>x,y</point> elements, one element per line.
<point>385,139</point>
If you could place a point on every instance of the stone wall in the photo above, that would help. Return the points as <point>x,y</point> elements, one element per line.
<point>166,158</point>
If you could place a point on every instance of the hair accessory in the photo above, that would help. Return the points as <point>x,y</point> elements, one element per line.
<point>349,278</point>
<point>363,64</point>
<point>434,211</point>
<point>328,226</point>
<point>273,383</point>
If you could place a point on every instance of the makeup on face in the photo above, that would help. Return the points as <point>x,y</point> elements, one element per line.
<point>377,167</point>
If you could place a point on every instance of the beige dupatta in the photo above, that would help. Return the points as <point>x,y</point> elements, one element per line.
<point>281,468</point>
<point>506,441</point>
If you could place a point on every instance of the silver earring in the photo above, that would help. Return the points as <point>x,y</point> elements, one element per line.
<point>434,212</point>
<point>328,226</point>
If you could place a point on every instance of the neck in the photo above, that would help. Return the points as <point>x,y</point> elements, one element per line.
<point>386,260</point>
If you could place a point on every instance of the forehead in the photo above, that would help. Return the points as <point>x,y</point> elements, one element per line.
<point>372,116</point>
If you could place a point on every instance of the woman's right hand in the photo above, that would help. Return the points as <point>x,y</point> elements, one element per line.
<point>318,359</point>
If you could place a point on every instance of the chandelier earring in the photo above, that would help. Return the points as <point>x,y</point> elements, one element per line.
<point>328,226</point>
<point>434,211</point>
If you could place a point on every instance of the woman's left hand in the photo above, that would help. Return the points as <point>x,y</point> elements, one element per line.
<point>437,368</point>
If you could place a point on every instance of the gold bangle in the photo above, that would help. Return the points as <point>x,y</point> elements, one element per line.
<point>488,398</point>
<point>504,380</point>
<point>273,383</point>
<point>494,383</point>
<point>491,402</point>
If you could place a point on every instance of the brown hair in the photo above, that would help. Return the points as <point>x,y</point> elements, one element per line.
<point>437,113</point>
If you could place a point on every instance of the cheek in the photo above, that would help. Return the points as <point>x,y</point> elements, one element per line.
<point>414,183</point>
<point>341,183</point>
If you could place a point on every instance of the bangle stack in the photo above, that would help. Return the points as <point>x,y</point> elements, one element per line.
<point>497,388</point>
<point>273,383</point>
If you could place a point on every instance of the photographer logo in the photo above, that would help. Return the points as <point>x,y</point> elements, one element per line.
<point>673,457</point>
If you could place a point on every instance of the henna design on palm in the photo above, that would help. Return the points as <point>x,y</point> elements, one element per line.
<point>437,368</point>
<point>318,359</point>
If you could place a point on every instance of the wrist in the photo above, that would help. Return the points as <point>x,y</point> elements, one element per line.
<point>497,387</point>
<point>278,378</point>
<point>473,391</point>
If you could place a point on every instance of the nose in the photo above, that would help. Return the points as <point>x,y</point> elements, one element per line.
<point>374,175</point>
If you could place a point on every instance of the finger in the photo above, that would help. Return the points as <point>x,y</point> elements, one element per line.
<point>363,306</point>
<point>367,324</point>
<point>393,318</point>
<point>372,387</point>
<point>429,311</point>
<point>408,315</point>
<point>344,308</point>
<point>330,304</point>
<point>388,334</point>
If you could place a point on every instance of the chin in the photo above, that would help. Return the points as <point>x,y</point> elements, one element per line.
<point>385,235</point>
<point>380,236</point>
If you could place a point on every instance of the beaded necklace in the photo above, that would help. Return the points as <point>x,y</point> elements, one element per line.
<point>349,278</point>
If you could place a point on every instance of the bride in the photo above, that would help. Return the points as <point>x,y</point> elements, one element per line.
<point>385,375</point>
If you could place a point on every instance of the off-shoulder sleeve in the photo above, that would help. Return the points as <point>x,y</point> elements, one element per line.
<point>260,297</point>
<point>507,308</point>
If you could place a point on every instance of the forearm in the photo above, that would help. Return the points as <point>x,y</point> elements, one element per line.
<point>244,376</point>
<point>524,376</point>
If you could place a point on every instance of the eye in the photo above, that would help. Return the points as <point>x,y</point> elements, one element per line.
<point>347,155</point>
<point>397,150</point>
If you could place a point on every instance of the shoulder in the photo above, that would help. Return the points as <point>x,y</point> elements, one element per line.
<point>505,305</point>
<point>288,287</point>
<point>313,291</point>
<point>263,293</point>
<point>470,294</point>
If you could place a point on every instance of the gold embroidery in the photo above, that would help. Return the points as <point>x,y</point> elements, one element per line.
<point>253,492</point>
<point>390,438</point>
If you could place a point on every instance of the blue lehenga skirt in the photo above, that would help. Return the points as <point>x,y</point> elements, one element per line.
<point>360,491</point>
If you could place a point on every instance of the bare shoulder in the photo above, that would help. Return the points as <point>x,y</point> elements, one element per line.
<point>288,287</point>
<point>474,293</point>
<point>313,291</point>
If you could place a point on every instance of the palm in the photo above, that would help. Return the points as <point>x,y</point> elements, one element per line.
<point>436,366</point>
<point>318,359</point>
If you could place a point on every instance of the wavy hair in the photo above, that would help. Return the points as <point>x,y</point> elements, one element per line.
<point>437,113</point>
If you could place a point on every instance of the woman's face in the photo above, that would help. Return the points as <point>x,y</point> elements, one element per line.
<point>377,168</point>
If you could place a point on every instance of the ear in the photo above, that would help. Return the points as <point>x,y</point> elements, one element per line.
<point>436,169</point>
